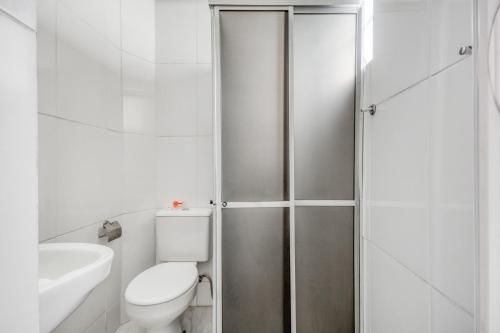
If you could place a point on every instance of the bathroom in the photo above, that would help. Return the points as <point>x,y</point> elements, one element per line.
<point>378,216</point>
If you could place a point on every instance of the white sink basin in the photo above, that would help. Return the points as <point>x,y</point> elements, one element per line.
<point>67,274</point>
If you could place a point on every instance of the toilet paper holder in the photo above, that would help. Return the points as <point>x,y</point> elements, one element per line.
<point>111,230</point>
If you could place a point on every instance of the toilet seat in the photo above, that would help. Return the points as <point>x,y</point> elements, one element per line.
<point>161,283</point>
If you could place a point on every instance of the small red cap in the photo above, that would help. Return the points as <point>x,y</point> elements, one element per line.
<point>177,203</point>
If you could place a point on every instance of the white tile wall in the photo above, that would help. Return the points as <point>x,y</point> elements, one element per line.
<point>46,49</point>
<point>99,326</point>
<point>205,170</point>
<point>176,31</point>
<point>47,184</point>
<point>103,16</point>
<point>138,250</point>
<point>452,192</point>
<point>204,28</point>
<point>22,10</point>
<point>88,72</point>
<point>89,175</point>
<point>177,171</point>
<point>448,318</point>
<point>204,122</point>
<point>18,171</point>
<point>140,172</point>
<point>399,301</point>
<point>413,39</point>
<point>403,232</point>
<point>397,173</point>
<point>451,28</point>
<point>419,177</point>
<point>452,139</point>
<point>398,147</point>
<point>113,319</point>
<point>97,139</point>
<point>185,171</point>
<point>176,99</point>
<point>184,102</point>
<point>111,284</point>
<point>400,46</point>
<point>139,112</point>
<point>138,28</point>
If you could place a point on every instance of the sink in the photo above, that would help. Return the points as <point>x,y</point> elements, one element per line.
<point>67,274</point>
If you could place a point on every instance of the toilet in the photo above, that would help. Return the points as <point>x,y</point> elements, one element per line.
<point>157,297</point>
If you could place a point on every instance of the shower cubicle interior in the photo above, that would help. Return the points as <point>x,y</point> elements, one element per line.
<point>287,155</point>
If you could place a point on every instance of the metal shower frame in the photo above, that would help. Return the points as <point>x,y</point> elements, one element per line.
<point>291,203</point>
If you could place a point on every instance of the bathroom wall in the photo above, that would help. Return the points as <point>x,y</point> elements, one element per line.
<point>184,102</point>
<point>489,160</point>
<point>418,232</point>
<point>97,142</point>
<point>184,106</point>
<point>18,172</point>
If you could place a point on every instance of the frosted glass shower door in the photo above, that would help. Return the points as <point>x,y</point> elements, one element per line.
<point>255,220</point>
<point>287,204</point>
<point>324,131</point>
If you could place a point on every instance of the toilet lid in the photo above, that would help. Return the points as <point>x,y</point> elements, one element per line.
<point>161,283</point>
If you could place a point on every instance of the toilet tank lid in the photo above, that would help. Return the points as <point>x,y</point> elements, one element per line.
<point>185,212</point>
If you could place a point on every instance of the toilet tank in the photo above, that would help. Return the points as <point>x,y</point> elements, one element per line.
<point>183,234</point>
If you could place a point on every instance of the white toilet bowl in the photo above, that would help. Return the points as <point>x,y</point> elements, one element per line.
<point>157,297</point>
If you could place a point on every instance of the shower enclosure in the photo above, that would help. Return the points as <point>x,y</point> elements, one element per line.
<point>287,177</point>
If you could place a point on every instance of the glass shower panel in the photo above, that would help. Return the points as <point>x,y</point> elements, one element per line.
<point>255,270</point>
<point>324,253</point>
<point>324,102</point>
<point>254,159</point>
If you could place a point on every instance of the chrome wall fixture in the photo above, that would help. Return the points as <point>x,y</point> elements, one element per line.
<point>372,109</point>
<point>465,50</point>
<point>110,230</point>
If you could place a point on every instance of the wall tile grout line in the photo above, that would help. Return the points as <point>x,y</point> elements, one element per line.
<point>96,222</point>
<point>15,19</point>
<point>421,278</point>
<point>95,126</point>
<point>95,321</point>
<point>113,43</point>
<point>138,56</point>
<point>421,81</point>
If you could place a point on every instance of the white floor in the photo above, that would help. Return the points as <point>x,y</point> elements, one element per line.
<point>194,320</point>
<point>129,327</point>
